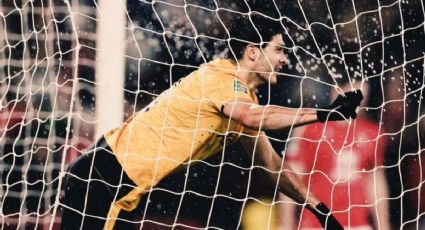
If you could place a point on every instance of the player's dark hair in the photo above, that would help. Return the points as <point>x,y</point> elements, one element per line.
<point>242,30</point>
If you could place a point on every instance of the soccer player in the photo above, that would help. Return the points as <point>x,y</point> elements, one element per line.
<point>211,107</point>
<point>342,164</point>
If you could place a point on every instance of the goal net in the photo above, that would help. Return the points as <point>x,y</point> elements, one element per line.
<point>73,69</point>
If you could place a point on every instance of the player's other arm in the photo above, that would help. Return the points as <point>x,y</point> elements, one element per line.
<point>273,117</point>
<point>378,194</point>
<point>279,172</point>
<point>378,187</point>
<point>287,213</point>
<point>288,181</point>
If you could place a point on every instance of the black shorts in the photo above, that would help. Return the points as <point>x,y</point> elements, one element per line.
<point>93,182</point>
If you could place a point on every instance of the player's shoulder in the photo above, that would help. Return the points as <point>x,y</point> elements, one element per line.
<point>210,75</point>
<point>221,74</point>
<point>220,70</point>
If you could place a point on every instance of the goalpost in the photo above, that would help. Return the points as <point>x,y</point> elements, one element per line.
<point>110,65</point>
<point>73,69</point>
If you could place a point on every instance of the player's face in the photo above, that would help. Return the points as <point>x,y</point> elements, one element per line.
<point>271,60</point>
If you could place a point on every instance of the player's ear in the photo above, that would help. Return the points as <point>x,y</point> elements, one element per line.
<point>251,52</point>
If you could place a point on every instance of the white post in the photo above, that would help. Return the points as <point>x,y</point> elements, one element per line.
<point>110,64</point>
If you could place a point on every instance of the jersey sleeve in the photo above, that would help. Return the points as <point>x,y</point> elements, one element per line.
<point>227,89</point>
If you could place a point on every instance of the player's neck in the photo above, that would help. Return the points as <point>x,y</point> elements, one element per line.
<point>245,72</point>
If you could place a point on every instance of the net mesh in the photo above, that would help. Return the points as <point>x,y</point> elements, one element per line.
<point>48,93</point>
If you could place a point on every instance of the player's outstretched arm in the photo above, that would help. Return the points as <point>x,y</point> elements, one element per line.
<point>273,117</point>
<point>268,117</point>
<point>288,181</point>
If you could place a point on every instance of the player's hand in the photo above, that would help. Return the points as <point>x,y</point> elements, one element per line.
<point>326,219</point>
<point>343,107</point>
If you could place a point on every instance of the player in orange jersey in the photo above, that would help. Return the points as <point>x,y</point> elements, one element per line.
<point>211,107</point>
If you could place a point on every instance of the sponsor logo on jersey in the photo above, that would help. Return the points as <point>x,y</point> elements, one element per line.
<point>239,87</point>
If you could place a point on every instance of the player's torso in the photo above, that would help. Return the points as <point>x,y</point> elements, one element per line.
<point>183,124</point>
<point>184,119</point>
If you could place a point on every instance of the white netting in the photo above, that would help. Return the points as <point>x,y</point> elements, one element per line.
<point>47,107</point>
<point>48,92</point>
